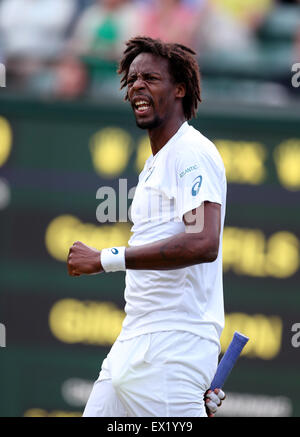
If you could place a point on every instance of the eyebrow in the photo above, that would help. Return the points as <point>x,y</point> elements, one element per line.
<point>145,73</point>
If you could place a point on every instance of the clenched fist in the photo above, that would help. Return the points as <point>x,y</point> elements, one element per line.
<point>83,259</point>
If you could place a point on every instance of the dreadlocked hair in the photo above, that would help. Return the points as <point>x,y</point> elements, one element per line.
<point>183,67</point>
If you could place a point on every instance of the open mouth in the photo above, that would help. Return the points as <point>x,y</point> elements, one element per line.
<point>141,106</point>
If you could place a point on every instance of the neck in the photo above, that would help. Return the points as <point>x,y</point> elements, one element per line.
<point>160,136</point>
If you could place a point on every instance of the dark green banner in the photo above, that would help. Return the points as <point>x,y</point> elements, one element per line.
<point>54,158</point>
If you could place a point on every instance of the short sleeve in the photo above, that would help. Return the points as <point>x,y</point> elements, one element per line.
<point>198,179</point>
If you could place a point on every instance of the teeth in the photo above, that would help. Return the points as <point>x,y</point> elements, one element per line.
<point>142,103</point>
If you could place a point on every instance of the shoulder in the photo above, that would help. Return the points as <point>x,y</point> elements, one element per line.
<point>194,145</point>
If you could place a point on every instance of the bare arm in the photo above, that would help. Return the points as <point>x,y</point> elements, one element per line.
<point>181,250</point>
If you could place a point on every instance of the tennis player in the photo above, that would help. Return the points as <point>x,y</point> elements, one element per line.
<point>166,355</point>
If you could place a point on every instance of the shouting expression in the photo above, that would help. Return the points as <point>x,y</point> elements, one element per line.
<point>152,91</point>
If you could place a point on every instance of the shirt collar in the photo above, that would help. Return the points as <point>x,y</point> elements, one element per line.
<point>182,130</point>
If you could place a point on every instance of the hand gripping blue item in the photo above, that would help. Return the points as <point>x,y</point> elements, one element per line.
<point>228,360</point>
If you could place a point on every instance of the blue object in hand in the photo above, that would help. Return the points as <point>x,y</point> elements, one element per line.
<point>228,360</point>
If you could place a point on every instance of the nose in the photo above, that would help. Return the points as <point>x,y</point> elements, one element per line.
<point>138,83</point>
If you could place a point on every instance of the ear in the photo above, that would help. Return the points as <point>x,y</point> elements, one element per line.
<point>180,90</point>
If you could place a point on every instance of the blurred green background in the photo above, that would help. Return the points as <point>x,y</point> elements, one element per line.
<point>65,131</point>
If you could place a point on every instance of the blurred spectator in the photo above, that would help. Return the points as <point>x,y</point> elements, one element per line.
<point>250,13</point>
<point>173,20</point>
<point>95,47</point>
<point>33,33</point>
<point>231,25</point>
<point>103,29</point>
<point>205,25</point>
<point>71,79</point>
<point>34,28</point>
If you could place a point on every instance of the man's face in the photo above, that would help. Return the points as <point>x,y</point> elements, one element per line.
<point>151,90</point>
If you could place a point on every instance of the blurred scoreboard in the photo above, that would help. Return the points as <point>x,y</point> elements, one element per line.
<point>56,160</point>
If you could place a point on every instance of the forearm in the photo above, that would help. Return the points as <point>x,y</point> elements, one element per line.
<point>178,251</point>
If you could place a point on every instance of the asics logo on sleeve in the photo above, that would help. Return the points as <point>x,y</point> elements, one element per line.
<point>114,251</point>
<point>197,185</point>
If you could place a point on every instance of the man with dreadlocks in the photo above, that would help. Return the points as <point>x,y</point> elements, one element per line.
<point>166,355</point>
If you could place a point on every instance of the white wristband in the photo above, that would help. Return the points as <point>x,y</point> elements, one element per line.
<point>113,259</point>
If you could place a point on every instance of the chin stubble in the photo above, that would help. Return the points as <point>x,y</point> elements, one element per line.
<point>152,124</point>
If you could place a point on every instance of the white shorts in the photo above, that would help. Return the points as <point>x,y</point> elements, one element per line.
<point>162,374</point>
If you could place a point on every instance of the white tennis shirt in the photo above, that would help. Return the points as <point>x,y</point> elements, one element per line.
<point>187,171</point>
